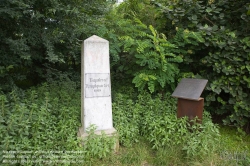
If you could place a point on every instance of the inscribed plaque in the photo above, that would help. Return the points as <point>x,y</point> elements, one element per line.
<point>97,85</point>
<point>190,88</point>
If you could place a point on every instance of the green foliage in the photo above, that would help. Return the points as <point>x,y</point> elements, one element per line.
<point>229,60</point>
<point>37,35</point>
<point>155,119</point>
<point>202,140</point>
<point>97,146</point>
<point>144,55</point>
<point>126,119</point>
<point>222,57</point>
<point>40,119</point>
<point>47,118</point>
<point>163,129</point>
<point>230,84</point>
<point>31,115</point>
<point>155,56</point>
<point>142,10</point>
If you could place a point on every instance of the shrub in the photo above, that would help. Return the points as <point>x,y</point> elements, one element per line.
<point>46,118</point>
<point>97,146</point>
<point>155,119</point>
<point>223,57</point>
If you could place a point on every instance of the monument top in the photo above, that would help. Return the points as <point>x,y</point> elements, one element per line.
<point>190,88</point>
<point>95,38</point>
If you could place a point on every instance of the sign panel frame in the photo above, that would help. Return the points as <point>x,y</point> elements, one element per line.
<point>97,85</point>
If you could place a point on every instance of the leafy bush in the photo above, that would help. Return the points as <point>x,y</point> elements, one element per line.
<point>126,118</point>
<point>155,119</point>
<point>42,118</point>
<point>97,146</point>
<point>37,35</point>
<point>223,57</point>
<point>47,118</point>
<point>147,57</point>
<point>208,39</point>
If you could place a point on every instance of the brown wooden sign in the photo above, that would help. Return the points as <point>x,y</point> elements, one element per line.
<point>190,88</point>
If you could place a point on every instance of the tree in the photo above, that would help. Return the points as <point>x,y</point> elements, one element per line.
<point>139,52</point>
<point>223,58</point>
<point>211,36</point>
<point>38,35</point>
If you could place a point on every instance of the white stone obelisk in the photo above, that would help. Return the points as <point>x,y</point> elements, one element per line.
<point>96,106</point>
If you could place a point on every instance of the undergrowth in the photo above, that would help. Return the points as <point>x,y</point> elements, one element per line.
<point>39,127</point>
<point>155,119</point>
<point>47,118</point>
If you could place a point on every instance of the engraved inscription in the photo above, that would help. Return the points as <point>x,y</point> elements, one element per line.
<point>97,85</point>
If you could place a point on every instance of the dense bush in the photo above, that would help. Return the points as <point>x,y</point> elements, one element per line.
<point>40,119</point>
<point>201,39</point>
<point>208,39</point>
<point>147,57</point>
<point>36,36</point>
<point>224,56</point>
<point>152,44</point>
<point>47,118</point>
<point>155,119</point>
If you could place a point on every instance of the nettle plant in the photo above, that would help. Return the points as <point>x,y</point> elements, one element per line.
<point>97,146</point>
<point>126,119</point>
<point>154,118</point>
<point>39,118</point>
<point>47,118</point>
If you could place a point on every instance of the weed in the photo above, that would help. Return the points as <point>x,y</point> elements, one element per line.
<point>155,119</point>
<point>47,118</point>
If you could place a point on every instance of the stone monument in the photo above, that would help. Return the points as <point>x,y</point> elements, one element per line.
<point>96,106</point>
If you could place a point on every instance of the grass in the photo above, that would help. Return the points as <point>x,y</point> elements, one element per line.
<point>139,154</point>
<point>233,150</point>
<point>234,146</point>
<point>233,140</point>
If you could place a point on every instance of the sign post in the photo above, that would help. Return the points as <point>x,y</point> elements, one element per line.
<point>190,103</point>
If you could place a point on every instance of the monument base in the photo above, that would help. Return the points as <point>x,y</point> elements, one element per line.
<point>190,108</point>
<point>109,133</point>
